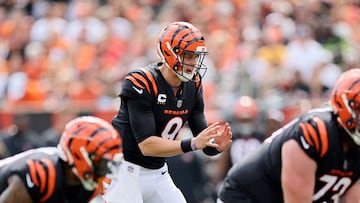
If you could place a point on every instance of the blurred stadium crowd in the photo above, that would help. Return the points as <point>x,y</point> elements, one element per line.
<point>67,57</point>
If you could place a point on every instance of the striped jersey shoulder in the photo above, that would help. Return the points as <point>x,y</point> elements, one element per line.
<point>42,175</point>
<point>143,79</point>
<point>315,132</point>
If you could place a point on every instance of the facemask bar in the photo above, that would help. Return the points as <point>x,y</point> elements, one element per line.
<point>114,165</point>
<point>200,67</point>
<point>355,117</point>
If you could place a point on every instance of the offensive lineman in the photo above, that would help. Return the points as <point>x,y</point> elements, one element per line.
<point>71,173</point>
<point>314,158</point>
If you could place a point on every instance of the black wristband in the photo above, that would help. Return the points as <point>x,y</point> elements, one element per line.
<point>186,145</point>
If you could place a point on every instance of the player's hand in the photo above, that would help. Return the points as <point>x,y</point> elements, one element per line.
<point>224,140</point>
<point>206,137</point>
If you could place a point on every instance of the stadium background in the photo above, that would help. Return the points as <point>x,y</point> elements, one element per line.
<point>69,58</point>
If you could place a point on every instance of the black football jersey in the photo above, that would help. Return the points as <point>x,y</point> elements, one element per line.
<point>42,173</point>
<point>159,110</point>
<point>318,134</point>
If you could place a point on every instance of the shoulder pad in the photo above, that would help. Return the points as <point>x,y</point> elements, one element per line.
<point>139,82</point>
<point>315,133</point>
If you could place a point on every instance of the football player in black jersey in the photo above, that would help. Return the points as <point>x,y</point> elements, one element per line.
<point>70,173</point>
<point>156,102</point>
<point>314,158</point>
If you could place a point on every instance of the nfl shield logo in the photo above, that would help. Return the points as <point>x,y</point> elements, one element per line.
<point>179,103</point>
<point>130,169</point>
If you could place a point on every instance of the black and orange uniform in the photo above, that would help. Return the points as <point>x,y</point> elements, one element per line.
<point>257,179</point>
<point>156,109</point>
<point>43,174</point>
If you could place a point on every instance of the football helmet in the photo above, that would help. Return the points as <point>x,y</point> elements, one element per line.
<point>177,40</point>
<point>245,108</point>
<point>245,114</point>
<point>345,102</point>
<point>89,145</point>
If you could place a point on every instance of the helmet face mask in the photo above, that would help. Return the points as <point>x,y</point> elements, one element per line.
<point>88,144</point>
<point>177,43</point>
<point>354,120</point>
<point>345,102</point>
<point>192,67</point>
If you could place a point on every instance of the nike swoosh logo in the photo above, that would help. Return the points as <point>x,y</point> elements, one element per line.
<point>163,172</point>
<point>140,91</point>
<point>29,182</point>
<point>304,143</point>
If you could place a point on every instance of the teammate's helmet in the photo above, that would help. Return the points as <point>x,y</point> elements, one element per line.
<point>345,102</point>
<point>88,145</point>
<point>245,108</point>
<point>178,38</point>
<point>245,112</point>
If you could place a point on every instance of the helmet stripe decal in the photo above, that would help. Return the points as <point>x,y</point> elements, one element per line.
<point>73,134</point>
<point>181,39</point>
<point>340,82</point>
<point>194,37</point>
<point>96,132</point>
<point>176,32</point>
<point>104,142</point>
<point>354,83</point>
<point>193,41</point>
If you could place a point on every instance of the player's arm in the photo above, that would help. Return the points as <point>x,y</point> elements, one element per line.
<point>298,173</point>
<point>352,195</point>
<point>15,192</point>
<point>144,127</point>
<point>198,125</point>
<point>157,146</point>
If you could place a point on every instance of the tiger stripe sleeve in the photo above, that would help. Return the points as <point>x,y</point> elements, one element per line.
<point>316,135</point>
<point>43,175</point>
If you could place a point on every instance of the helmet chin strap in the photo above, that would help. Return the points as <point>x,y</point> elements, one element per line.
<point>184,76</point>
<point>354,135</point>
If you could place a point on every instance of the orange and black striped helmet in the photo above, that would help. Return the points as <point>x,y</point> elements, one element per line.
<point>178,38</point>
<point>345,101</point>
<point>86,142</point>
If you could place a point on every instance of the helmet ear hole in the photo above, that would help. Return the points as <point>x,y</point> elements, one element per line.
<point>176,49</point>
<point>87,175</point>
<point>351,102</point>
<point>348,123</point>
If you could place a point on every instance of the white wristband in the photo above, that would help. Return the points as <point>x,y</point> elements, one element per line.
<point>193,144</point>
